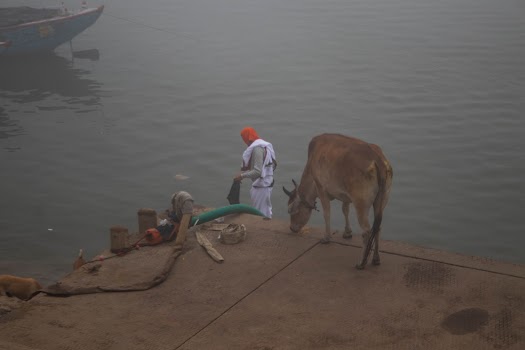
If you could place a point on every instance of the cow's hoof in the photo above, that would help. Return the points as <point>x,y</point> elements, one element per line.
<point>376,262</point>
<point>347,235</point>
<point>360,266</point>
<point>325,240</point>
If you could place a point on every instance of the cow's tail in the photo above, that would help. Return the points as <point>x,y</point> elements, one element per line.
<point>382,173</point>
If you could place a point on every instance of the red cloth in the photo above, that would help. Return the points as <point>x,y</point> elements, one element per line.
<point>249,135</point>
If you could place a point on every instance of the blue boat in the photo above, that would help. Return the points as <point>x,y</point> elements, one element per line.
<point>45,30</point>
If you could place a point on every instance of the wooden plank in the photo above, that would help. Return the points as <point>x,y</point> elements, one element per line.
<point>205,243</point>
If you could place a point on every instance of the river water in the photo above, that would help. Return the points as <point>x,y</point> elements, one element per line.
<point>439,85</point>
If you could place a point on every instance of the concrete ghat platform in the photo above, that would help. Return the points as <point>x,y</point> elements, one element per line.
<point>279,290</point>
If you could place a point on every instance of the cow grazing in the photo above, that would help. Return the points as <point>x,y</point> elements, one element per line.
<point>352,171</point>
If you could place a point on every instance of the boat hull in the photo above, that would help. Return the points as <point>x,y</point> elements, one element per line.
<point>45,35</point>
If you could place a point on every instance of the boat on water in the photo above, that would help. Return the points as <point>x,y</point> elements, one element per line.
<point>25,30</point>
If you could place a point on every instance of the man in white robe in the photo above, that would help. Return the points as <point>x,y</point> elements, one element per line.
<point>258,164</point>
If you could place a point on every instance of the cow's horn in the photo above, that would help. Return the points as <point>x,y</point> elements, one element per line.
<point>294,183</point>
<point>288,193</point>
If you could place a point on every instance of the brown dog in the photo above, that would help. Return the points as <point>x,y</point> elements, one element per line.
<point>22,288</point>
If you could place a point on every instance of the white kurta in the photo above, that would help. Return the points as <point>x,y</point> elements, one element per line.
<point>261,199</point>
<point>261,190</point>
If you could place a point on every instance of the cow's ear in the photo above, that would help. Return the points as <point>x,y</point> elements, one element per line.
<point>293,208</point>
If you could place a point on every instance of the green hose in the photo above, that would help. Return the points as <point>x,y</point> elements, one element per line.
<point>219,212</point>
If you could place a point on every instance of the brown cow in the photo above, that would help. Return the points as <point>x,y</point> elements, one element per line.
<point>352,171</point>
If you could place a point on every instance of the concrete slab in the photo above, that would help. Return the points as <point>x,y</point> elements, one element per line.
<point>320,301</point>
<point>279,290</point>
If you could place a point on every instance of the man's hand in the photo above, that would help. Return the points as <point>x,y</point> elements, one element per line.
<point>238,177</point>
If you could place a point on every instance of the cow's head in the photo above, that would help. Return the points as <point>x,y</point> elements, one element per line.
<point>299,210</point>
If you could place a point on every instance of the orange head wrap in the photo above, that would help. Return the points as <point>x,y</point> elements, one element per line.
<point>249,135</point>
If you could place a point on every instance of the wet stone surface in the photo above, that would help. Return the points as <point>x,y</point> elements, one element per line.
<point>465,321</point>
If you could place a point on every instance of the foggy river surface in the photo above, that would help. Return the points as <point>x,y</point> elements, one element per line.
<point>439,85</point>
